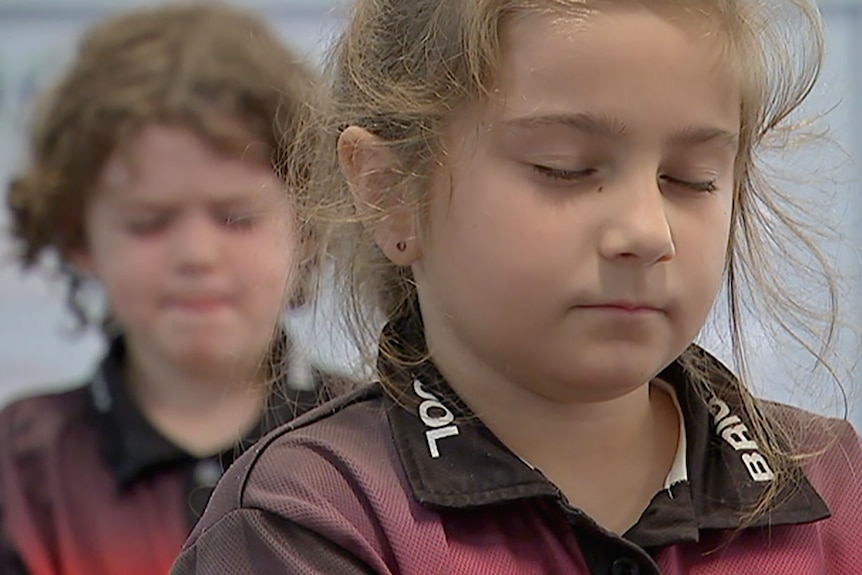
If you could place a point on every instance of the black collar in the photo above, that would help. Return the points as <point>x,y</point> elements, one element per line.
<point>453,461</point>
<point>133,448</point>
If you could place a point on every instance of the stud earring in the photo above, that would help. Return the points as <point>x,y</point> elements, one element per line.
<point>401,246</point>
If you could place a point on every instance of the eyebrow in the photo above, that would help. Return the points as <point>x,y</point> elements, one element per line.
<point>581,122</point>
<point>607,126</point>
<point>705,134</point>
<point>229,200</point>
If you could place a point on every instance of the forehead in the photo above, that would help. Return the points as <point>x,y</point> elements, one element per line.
<point>167,161</point>
<point>618,59</point>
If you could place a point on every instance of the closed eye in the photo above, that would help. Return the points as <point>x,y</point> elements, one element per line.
<point>240,221</point>
<point>561,174</point>
<point>704,186</point>
<point>147,226</point>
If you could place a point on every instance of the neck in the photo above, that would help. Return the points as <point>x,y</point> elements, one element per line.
<point>609,458</point>
<point>203,411</point>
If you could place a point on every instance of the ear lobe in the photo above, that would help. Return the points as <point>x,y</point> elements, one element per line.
<point>371,170</point>
<point>395,239</point>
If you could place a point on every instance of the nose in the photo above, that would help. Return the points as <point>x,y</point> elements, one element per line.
<point>638,229</point>
<point>196,244</point>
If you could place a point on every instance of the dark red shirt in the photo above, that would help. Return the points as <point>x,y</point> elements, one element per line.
<point>89,487</point>
<point>365,485</point>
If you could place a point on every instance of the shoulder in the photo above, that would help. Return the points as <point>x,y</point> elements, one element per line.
<point>342,431</point>
<point>333,471</point>
<point>308,459</point>
<point>36,421</point>
<point>811,434</point>
<point>830,453</point>
<point>829,450</point>
<point>329,463</point>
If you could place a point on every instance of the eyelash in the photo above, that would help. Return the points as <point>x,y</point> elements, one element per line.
<point>706,186</point>
<point>244,221</point>
<point>146,227</point>
<point>156,224</point>
<point>560,174</point>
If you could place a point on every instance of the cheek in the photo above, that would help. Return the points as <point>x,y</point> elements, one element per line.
<point>132,283</point>
<point>266,262</point>
<point>491,242</point>
<point>702,255</point>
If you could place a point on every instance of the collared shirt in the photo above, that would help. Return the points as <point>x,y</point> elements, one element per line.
<point>89,486</point>
<point>370,485</point>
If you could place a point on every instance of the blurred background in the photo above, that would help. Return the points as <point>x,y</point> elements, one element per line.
<point>39,351</point>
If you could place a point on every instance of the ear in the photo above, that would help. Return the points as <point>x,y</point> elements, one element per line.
<point>371,170</point>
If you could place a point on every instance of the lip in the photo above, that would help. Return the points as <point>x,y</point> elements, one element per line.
<point>625,307</point>
<point>200,304</point>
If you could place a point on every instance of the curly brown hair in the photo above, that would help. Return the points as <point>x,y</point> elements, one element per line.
<point>217,70</point>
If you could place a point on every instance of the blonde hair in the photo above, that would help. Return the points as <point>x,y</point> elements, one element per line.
<point>217,70</point>
<point>402,66</point>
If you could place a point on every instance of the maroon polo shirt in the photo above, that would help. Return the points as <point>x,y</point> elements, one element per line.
<point>89,487</point>
<point>368,485</point>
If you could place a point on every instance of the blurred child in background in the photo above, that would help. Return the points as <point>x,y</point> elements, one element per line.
<point>151,175</point>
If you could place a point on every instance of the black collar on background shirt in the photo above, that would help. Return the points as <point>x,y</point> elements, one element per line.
<point>133,448</point>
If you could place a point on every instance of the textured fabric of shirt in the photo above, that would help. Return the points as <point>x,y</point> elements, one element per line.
<point>89,487</point>
<point>367,485</point>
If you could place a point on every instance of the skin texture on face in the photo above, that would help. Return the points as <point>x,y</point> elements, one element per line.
<point>578,229</point>
<point>196,251</point>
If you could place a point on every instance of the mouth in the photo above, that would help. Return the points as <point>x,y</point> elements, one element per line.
<point>200,304</point>
<point>625,307</point>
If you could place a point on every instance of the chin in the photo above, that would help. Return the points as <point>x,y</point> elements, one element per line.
<point>600,378</point>
<point>204,355</point>
<point>607,384</point>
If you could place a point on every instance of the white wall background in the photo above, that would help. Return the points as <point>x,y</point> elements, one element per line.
<point>37,37</point>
